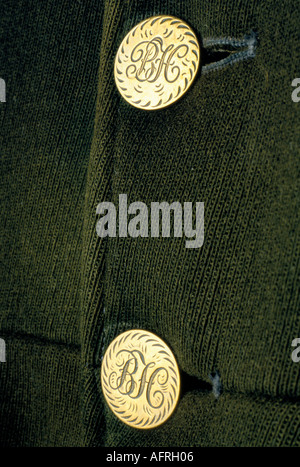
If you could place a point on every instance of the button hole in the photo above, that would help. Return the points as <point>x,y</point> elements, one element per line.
<point>210,56</point>
<point>220,52</point>
<point>191,383</point>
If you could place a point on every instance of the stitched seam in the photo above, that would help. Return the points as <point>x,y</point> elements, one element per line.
<point>253,395</point>
<point>38,340</point>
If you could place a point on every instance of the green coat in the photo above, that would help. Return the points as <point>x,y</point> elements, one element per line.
<point>69,142</point>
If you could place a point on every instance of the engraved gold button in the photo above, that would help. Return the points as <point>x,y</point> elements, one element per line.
<point>140,379</point>
<point>157,62</point>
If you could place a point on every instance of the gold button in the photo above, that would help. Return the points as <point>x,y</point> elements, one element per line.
<point>157,62</point>
<point>140,379</point>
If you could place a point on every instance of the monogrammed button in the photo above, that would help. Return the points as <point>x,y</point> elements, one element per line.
<point>140,379</point>
<point>157,62</point>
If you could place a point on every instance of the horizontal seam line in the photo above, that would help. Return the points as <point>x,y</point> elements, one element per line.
<point>38,340</point>
<point>252,395</point>
<point>77,348</point>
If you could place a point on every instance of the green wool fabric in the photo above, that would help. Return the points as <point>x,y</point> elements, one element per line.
<point>68,142</point>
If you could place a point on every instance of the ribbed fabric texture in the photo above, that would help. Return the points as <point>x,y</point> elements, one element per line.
<point>69,142</point>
